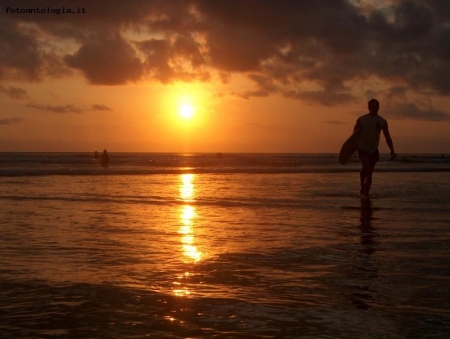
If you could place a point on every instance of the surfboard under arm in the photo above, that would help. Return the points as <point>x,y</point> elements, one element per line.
<point>348,149</point>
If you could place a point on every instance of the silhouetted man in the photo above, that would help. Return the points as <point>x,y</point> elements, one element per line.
<point>104,161</point>
<point>370,127</point>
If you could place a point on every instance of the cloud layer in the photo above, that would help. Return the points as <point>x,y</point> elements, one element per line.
<point>10,121</point>
<point>62,109</point>
<point>14,92</point>
<point>319,51</point>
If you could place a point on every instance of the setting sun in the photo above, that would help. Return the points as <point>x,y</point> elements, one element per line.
<point>186,111</point>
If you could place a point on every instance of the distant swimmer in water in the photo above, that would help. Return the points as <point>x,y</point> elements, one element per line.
<point>104,161</point>
<point>96,156</point>
<point>370,126</point>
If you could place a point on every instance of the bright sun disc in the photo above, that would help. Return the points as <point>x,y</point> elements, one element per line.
<point>186,111</point>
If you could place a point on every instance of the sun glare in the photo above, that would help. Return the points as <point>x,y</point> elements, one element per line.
<point>185,106</point>
<point>186,111</point>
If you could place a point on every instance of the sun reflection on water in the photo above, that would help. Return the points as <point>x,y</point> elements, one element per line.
<point>187,187</point>
<point>191,253</point>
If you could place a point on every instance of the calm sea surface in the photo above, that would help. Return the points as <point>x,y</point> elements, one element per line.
<point>222,246</point>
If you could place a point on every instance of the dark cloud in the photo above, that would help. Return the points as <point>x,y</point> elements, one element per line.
<point>168,61</point>
<point>396,92</point>
<point>14,92</point>
<point>107,60</point>
<point>265,87</point>
<point>20,53</point>
<point>412,49</point>
<point>261,93</point>
<point>283,47</point>
<point>56,108</point>
<point>24,55</point>
<point>100,107</point>
<point>414,112</point>
<point>10,121</point>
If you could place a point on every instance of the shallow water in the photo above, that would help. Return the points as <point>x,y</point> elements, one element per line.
<point>287,255</point>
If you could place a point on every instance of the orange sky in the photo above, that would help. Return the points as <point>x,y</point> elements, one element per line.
<point>260,78</point>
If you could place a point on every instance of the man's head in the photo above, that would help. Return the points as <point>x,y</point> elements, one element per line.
<point>374,106</point>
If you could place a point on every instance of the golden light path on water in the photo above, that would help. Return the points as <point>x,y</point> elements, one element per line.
<point>187,216</point>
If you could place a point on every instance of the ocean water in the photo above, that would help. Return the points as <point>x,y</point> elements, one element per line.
<point>222,246</point>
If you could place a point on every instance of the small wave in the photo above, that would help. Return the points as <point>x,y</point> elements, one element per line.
<point>44,164</point>
<point>112,171</point>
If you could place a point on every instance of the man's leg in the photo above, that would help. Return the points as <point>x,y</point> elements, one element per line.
<point>365,175</point>
<point>368,181</point>
<point>362,179</point>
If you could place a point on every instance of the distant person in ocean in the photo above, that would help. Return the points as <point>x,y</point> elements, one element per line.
<point>96,156</point>
<point>370,126</point>
<point>104,161</point>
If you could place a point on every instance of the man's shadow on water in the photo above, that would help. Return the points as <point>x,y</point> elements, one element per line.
<point>368,233</point>
<point>366,271</point>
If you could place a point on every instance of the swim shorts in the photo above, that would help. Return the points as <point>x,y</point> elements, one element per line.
<point>373,157</point>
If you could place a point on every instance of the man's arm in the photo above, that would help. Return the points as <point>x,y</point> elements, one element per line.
<point>389,140</point>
